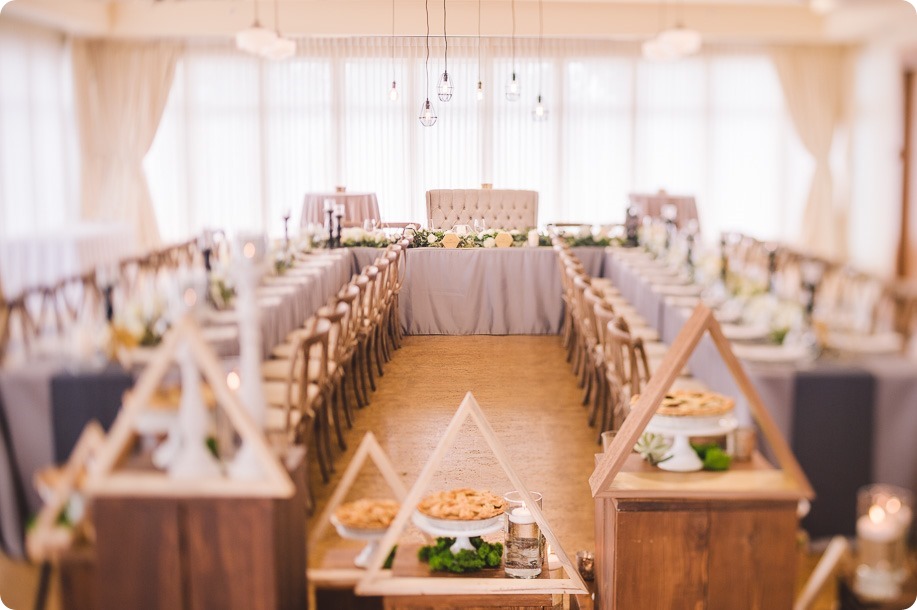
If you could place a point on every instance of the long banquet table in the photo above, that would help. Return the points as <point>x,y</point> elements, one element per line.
<point>482,291</point>
<point>44,405</point>
<point>850,421</point>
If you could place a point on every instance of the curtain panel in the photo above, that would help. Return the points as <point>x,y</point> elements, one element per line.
<point>813,85</point>
<point>121,89</point>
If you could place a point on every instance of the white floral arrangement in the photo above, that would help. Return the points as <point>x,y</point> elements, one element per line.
<point>354,237</point>
<point>142,320</point>
<point>221,289</point>
<point>779,316</point>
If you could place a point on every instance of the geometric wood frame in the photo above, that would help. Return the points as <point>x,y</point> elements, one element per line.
<point>41,541</point>
<point>701,321</point>
<point>369,449</point>
<point>381,582</point>
<point>104,480</point>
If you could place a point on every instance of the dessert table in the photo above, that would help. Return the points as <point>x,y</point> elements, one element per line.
<point>482,291</point>
<point>357,208</point>
<point>850,420</point>
<point>47,258</point>
<point>44,404</point>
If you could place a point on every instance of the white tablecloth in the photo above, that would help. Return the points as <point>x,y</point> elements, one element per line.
<point>357,207</point>
<point>47,258</point>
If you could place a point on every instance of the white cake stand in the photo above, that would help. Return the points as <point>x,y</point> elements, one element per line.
<point>371,537</point>
<point>462,531</point>
<point>681,457</point>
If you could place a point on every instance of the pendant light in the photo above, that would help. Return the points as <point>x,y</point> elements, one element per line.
<point>479,91</point>
<point>673,43</point>
<point>256,38</point>
<point>512,87</point>
<point>427,115</point>
<point>282,48</point>
<point>393,92</point>
<point>444,89</point>
<point>539,112</point>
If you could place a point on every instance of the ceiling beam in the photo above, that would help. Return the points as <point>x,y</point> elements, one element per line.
<point>718,21</point>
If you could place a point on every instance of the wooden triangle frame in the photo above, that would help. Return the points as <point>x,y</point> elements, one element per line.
<point>701,321</point>
<point>380,582</point>
<point>105,480</point>
<point>41,542</point>
<point>369,449</point>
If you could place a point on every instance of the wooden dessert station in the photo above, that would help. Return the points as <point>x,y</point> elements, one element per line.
<point>696,539</point>
<point>206,541</point>
<point>411,584</point>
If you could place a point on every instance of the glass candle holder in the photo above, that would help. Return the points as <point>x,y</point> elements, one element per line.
<point>523,548</point>
<point>884,516</point>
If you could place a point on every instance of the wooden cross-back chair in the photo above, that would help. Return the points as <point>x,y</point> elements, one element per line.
<point>627,359</point>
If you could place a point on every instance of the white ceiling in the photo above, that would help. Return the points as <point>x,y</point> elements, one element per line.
<point>728,21</point>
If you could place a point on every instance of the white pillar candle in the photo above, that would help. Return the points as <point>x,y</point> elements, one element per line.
<point>533,238</point>
<point>329,205</point>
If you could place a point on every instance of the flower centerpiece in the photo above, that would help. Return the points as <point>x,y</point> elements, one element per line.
<point>141,322</point>
<point>221,290</point>
<point>355,237</point>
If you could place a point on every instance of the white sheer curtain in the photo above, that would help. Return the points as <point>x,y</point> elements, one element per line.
<point>243,139</point>
<point>121,90</point>
<point>39,161</point>
<point>812,79</point>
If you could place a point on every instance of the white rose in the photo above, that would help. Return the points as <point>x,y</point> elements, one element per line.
<point>431,238</point>
<point>490,242</point>
<point>514,232</point>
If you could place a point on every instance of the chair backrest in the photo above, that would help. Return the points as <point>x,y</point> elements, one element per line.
<point>500,209</point>
<point>627,355</point>
<point>315,345</point>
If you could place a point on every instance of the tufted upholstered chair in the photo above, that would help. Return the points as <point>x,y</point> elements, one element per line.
<point>500,209</point>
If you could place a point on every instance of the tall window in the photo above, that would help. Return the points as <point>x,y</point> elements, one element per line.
<point>39,182</point>
<point>244,139</point>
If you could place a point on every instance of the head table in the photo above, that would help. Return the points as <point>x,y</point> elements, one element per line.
<point>850,421</point>
<point>45,404</point>
<point>482,291</point>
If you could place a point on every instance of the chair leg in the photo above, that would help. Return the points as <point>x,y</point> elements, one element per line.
<point>597,398</point>
<point>335,403</point>
<point>368,360</point>
<point>587,390</point>
<point>318,441</point>
<point>342,391</point>
<point>377,341</point>
<point>351,374</point>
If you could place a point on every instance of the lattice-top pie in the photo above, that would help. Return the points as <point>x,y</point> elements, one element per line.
<point>462,505</point>
<point>691,403</point>
<point>367,514</point>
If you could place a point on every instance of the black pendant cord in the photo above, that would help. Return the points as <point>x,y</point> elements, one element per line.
<point>479,41</point>
<point>540,43</point>
<point>393,41</point>
<point>445,40</point>
<point>426,63</point>
<point>513,39</point>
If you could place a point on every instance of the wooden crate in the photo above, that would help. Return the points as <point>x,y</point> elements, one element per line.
<point>666,549</point>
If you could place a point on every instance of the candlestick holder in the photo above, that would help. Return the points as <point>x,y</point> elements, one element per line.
<point>337,234</point>
<point>883,522</point>
<point>286,229</point>
<point>330,214</point>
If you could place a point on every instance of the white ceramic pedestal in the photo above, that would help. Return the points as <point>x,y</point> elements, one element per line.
<point>681,457</point>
